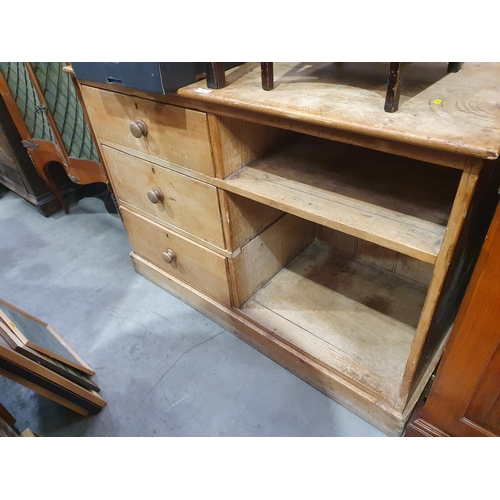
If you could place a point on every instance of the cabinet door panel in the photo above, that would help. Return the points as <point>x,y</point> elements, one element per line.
<point>465,397</point>
<point>484,408</point>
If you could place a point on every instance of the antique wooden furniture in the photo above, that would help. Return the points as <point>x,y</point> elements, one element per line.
<point>42,101</point>
<point>35,356</point>
<point>465,397</point>
<point>47,383</point>
<point>330,235</point>
<point>18,173</point>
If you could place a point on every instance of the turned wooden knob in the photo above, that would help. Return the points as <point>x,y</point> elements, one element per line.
<point>169,256</point>
<point>139,129</point>
<point>155,195</point>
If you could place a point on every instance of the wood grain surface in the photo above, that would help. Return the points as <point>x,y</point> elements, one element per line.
<point>243,219</point>
<point>188,204</point>
<point>396,262</point>
<point>195,264</point>
<point>267,254</point>
<point>348,315</point>
<point>174,134</point>
<point>452,112</point>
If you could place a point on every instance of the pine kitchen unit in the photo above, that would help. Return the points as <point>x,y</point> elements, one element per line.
<point>333,237</point>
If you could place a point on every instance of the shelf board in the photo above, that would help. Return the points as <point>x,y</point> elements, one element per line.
<point>399,203</point>
<point>354,318</point>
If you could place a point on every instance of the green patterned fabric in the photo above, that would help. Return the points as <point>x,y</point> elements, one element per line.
<point>19,82</point>
<point>65,107</point>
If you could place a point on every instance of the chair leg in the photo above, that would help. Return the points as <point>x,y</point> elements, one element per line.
<point>454,67</point>
<point>216,77</point>
<point>393,88</point>
<point>267,74</point>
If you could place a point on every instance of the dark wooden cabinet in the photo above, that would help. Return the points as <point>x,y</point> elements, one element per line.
<point>40,101</point>
<point>18,173</point>
<point>465,397</point>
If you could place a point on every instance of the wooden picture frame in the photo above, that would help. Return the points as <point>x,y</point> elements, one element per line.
<point>39,336</point>
<point>40,379</point>
<point>52,364</point>
<point>32,385</point>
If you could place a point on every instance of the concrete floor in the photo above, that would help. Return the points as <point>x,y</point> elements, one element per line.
<point>163,368</point>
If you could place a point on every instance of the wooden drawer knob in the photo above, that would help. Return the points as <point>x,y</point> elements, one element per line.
<point>155,195</point>
<point>169,256</point>
<point>139,129</point>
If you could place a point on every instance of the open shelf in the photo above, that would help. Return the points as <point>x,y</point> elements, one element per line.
<point>350,316</point>
<point>396,202</point>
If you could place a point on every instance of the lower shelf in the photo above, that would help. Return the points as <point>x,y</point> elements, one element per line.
<point>354,318</point>
<point>338,387</point>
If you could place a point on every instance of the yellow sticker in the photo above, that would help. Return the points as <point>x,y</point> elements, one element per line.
<point>438,101</point>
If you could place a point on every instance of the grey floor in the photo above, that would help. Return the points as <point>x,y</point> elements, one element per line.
<point>163,368</point>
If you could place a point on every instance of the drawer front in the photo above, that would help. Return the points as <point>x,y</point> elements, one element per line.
<point>174,134</point>
<point>187,203</point>
<point>192,263</point>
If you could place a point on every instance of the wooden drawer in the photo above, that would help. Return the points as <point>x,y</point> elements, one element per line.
<point>174,134</point>
<point>198,266</point>
<point>188,204</point>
